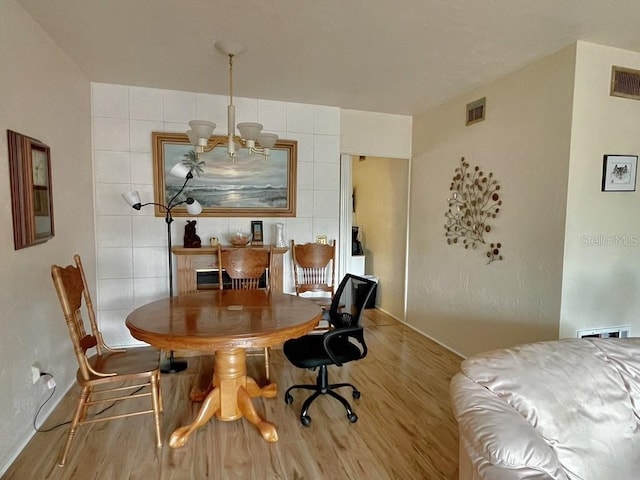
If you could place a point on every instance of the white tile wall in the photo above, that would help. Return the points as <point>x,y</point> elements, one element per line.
<point>305,177</point>
<point>325,148</point>
<point>326,120</point>
<point>141,168</point>
<point>146,104</point>
<point>149,289</point>
<point>110,101</point>
<point>115,262</point>
<point>112,167</point>
<point>214,109</point>
<point>246,111</point>
<point>113,231</point>
<point>305,145</point>
<point>115,293</point>
<point>300,118</point>
<point>273,115</point>
<point>111,134</point>
<point>325,202</point>
<point>132,256</point>
<point>150,262</point>
<point>304,204</point>
<point>325,175</point>
<point>108,199</point>
<point>140,134</point>
<point>179,107</point>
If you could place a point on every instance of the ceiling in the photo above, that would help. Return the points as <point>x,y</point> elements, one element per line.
<point>401,56</point>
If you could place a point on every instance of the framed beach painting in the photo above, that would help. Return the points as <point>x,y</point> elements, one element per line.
<point>247,186</point>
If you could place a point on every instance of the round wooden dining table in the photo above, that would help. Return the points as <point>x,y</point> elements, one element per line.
<point>225,322</point>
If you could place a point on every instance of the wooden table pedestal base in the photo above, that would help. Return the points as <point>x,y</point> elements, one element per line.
<point>230,398</point>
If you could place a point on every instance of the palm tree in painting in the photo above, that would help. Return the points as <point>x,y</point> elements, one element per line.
<point>191,160</point>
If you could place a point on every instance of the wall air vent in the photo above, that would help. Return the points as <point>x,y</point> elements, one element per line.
<point>607,332</point>
<point>625,82</point>
<point>476,111</point>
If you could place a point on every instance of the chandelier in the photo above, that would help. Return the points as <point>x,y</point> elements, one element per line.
<point>251,135</point>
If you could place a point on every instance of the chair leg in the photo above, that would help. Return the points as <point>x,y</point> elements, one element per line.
<point>320,388</point>
<point>155,400</point>
<point>355,393</point>
<point>307,403</point>
<point>266,363</point>
<point>342,400</point>
<point>85,407</point>
<point>160,402</point>
<point>77,417</point>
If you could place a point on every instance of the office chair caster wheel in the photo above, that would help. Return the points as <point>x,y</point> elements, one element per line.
<point>288,399</point>
<point>356,394</point>
<point>353,418</point>
<point>305,420</point>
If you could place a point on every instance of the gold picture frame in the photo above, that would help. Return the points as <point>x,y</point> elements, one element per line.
<point>31,191</point>
<point>247,186</point>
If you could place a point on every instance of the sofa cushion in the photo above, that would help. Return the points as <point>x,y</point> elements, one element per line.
<point>581,397</point>
<point>498,440</point>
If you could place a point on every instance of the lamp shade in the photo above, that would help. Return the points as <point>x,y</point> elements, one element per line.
<point>193,140</point>
<point>267,140</point>
<point>194,207</point>
<point>250,130</point>
<point>180,170</point>
<point>202,130</point>
<point>132,198</point>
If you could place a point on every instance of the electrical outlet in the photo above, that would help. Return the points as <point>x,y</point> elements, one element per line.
<point>35,373</point>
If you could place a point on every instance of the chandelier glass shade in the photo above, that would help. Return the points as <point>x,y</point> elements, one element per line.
<point>251,135</point>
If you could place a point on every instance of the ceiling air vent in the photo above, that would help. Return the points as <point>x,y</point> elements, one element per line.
<point>476,111</point>
<point>625,82</point>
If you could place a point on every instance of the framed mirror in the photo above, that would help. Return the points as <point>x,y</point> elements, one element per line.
<point>31,193</point>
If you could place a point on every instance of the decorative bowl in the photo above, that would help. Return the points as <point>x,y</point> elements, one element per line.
<point>240,239</point>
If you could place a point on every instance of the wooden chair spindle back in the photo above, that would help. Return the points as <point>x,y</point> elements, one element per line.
<point>313,267</point>
<point>245,266</point>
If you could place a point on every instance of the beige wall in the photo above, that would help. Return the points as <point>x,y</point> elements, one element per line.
<point>45,96</point>
<point>602,249</point>
<point>381,186</point>
<point>452,294</point>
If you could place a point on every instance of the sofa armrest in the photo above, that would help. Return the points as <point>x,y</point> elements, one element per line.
<point>500,443</point>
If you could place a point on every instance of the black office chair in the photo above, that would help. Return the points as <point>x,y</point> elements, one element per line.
<point>341,344</point>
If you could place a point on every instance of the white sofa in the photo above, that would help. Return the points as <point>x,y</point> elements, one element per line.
<point>563,410</point>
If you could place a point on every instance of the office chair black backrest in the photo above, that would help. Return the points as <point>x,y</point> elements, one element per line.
<point>349,301</point>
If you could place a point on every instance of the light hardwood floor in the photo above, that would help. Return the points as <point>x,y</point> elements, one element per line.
<point>405,429</point>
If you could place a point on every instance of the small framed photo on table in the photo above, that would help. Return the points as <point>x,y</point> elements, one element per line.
<point>619,173</point>
<point>257,236</point>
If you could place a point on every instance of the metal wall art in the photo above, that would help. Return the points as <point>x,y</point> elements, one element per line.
<point>473,204</point>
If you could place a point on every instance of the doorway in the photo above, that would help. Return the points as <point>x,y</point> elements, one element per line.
<point>374,197</point>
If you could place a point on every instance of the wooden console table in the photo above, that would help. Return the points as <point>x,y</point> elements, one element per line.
<point>190,260</point>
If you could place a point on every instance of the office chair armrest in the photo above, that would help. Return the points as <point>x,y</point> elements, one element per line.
<point>356,333</point>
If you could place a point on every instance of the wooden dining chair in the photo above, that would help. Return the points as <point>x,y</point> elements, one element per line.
<point>105,375</point>
<point>314,273</point>
<point>245,267</point>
